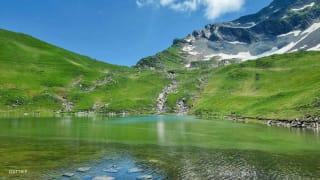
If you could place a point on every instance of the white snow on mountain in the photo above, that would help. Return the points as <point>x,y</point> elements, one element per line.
<point>295,33</point>
<point>316,48</point>
<point>304,7</point>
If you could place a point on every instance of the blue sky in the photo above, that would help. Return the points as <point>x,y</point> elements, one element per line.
<point>119,32</point>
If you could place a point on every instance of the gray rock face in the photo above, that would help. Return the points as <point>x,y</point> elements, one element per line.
<point>282,27</point>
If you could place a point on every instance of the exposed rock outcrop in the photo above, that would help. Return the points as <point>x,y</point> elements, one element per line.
<point>308,122</point>
<point>67,106</point>
<point>182,107</point>
<point>162,98</point>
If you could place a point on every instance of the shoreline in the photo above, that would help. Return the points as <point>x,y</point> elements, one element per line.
<point>298,123</point>
<point>306,123</point>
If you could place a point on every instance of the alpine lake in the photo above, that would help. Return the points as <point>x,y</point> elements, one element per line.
<point>154,147</point>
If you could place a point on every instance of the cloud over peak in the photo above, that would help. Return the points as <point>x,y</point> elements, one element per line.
<point>212,8</point>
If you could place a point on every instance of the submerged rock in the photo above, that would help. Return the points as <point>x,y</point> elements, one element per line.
<point>110,170</point>
<point>83,169</point>
<point>68,174</point>
<point>135,170</point>
<point>103,178</point>
<point>144,177</point>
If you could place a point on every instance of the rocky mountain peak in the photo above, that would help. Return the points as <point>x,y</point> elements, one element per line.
<point>282,27</point>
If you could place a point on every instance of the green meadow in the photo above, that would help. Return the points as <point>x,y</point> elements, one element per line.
<point>38,77</point>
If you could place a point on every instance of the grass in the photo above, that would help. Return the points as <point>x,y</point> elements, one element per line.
<point>273,87</point>
<point>189,87</point>
<point>169,59</point>
<point>36,76</point>
<point>39,77</point>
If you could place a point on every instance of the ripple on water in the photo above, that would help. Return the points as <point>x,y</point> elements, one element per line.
<point>145,162</point>
<point>123,167</point>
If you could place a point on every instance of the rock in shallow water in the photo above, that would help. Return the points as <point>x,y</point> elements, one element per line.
<point>83,169</point>
<point>103,178</point>
<point>135,170</point>
<point>68,174</point>
<point>110,170</point>
<point>144,177</point>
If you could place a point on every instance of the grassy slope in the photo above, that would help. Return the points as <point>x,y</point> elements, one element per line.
<point>280,86</point>
<point>36,76</point>
<point>190,86</point>
<point>169,59</point>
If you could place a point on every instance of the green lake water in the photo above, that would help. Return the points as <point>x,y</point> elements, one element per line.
<point>166,147</point>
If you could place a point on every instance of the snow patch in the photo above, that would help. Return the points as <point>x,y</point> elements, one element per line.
<point>277,10</point>
<point>316,48</point>
<point>305,34</point>
<point>312,28</point>
<point>304,7</point>
<point>295,33</point>
<point>250,25</point>
<point>193,53</point>
<point>188,48</point>
<point>189,39</point>
<point>208,57</point>
<point>286,48</point>
<point>240,55</point>
<point>236,42</point>
<point>303,47</point>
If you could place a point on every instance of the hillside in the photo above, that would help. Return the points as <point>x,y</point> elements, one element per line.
<point>38,77</point>
<point>280,86</point>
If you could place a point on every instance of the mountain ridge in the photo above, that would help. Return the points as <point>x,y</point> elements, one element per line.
<point>282,27</point>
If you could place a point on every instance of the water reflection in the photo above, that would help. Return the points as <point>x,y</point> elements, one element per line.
<point>161,132</point>
<point>173,147</point>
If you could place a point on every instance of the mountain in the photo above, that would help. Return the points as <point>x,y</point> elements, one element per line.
<point>282,27</point>
<point>38,77</point>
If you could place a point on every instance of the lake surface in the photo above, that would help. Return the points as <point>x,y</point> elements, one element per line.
<point>164,147</point>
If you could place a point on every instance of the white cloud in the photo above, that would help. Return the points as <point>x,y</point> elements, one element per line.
<point>215,8</point>
<point>212,8</point>
<point>166,2</point>
<point>141,3</point>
